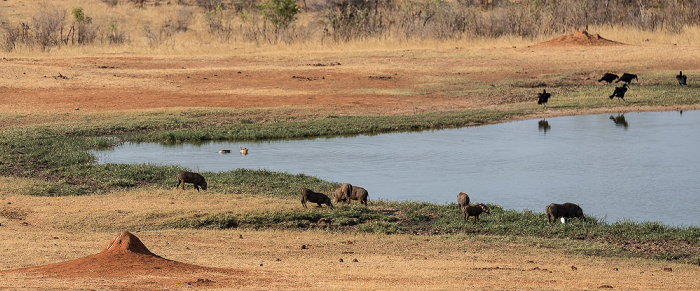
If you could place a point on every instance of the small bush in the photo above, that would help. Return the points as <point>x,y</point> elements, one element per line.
<point>209,5</point>
<point>47,26</point>
<point>183,18</point>
<point>83,31</point>
<point>215,22</point>
<point>114,35</point>
<point>281,13</point>
<point>156,37</point>
<point>111,3</point>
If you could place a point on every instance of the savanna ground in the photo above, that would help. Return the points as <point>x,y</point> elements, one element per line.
<point>77,88</point>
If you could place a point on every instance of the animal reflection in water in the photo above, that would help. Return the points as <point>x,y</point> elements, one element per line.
<point>620,120</point>
<point>543,125</point>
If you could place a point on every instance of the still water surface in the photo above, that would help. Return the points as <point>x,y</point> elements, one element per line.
<point>638,166</point>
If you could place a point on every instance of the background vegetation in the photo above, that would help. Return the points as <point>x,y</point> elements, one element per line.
<point>158,23</point>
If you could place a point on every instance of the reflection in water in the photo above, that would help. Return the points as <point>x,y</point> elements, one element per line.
<point>620,120</point>
<point>543,125</point>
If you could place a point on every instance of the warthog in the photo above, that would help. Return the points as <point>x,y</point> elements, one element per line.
<point>313,197</point>
<point>359,194</point>
<point>193,178</point>
<point>343,193</point>
<point>462,199</point>
<point>566,210</point>
<point>474,210</point>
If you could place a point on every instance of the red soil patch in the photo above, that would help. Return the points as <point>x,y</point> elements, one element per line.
<point>127,257</point>
<point>581,38</point>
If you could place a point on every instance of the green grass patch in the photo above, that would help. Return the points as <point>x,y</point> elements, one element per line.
<point>346,215</point>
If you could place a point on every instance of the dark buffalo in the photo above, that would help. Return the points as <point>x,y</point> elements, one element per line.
<point>474,210</point>
<point>313,197</point>
<point>566,210</point>
<point>193,178</point>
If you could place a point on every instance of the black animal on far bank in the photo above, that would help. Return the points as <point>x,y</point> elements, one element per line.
<point>619,92</point>
<point>627,78</point>
<point>681,79</point>
<point>543,97</point>
<point>193,178</point>
<point>608,77</point>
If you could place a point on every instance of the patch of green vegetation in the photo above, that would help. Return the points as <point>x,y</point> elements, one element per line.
<point>326,126</point>
<point>263,182</point>
<point>346,215</point>
<point>449,218</point>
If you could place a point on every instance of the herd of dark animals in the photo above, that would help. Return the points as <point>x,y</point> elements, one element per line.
<point>619,92</point>
<point>347,192</point>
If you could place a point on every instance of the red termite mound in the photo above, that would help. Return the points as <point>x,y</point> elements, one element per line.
<point>581,38</point>
<point>124,255</point>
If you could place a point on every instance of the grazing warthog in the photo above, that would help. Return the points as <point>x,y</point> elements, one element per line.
<point>343,193</point>
<point>566,210</point>
<point>462,199</point>
<point>313,197</point>
<point>474,210</point>
<point>359,194</point>
<point>193,178</point>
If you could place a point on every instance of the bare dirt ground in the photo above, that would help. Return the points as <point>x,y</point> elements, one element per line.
<point>392,82</point>
<point>322,261</point>
<point>365,82</point>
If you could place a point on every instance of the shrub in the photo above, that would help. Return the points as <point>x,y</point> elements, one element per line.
<point>280,13</point>
<point>114,35</point>
<point>83,32</point>
<point>215,20</point>
<point>111,3</point>
<point>47,27</point>
<point>183,18</point>
<point>155,37</point>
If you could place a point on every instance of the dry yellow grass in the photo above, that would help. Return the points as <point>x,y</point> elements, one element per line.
<point>44,230</point>
<point>197,41</point>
